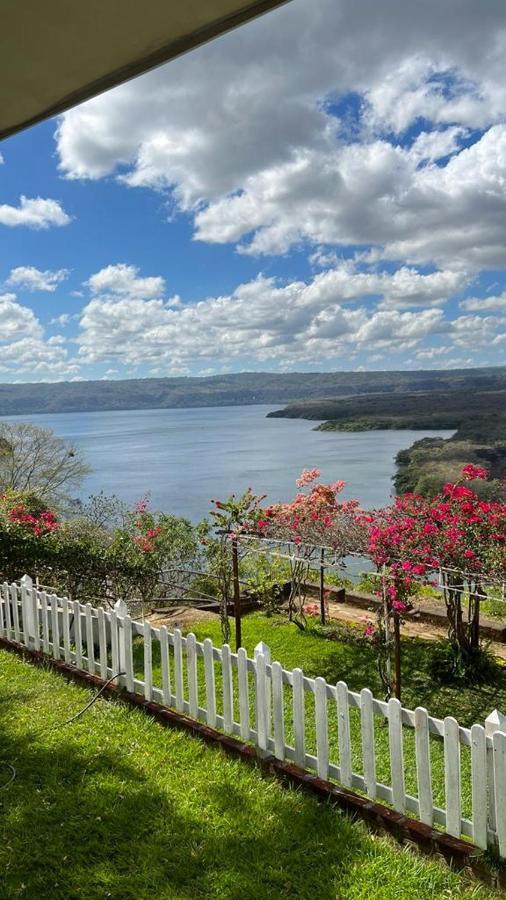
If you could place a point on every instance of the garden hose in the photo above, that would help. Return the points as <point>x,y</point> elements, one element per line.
<point>61,725</point>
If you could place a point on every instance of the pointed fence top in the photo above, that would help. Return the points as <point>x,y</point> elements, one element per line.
<point>263,648</point>
<point>496,721</point>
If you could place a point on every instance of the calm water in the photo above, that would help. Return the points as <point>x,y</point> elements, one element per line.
<point>183,457</point>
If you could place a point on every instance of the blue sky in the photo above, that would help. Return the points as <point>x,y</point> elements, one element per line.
<point>324,188</point>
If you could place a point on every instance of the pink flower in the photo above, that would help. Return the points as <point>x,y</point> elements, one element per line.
<point>307,476</point>
<point>469,472</point>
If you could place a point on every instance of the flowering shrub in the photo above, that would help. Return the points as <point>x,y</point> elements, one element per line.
<point>90,562</point>
<point>317,518</point>
<point>455,533</point>
<point>314,519</point>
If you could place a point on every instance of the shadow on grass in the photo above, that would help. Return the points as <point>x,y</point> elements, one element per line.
<point>118,807</point>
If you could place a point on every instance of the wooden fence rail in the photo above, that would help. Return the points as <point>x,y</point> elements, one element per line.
<point>446,775</point>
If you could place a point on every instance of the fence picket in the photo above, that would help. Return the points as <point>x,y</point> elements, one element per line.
<point>242,681</point>
<point>178,670</point>
<point>423,766</point>
<point>7,610</point>
<point>102,642</point>
<point>65,629</point>
<point>148,661</point>
<point>78,637</point>
<point>278,710</point>
<point>90,650</point>
<point>210,683</point>
<point>261,701</point>
<point>33,599</point>
<point>191,663</point>
<point>479,785</point>
<point>44,619</point>
<point>112,618</point>
<point>396,754</point>
<point>4,594</point>
<point>367,731</point>
<point>55,626</point>
<point>24,614</point>
<point>452,776</point>
<point>322,736</point>
<point>164,659</point>
<point>499,751</point>
<point>299,725</point>
<point>228,689</point>
<point>15,613</point>
<point>126,652</point>
<point>3,631</point>
<point>343,734</point>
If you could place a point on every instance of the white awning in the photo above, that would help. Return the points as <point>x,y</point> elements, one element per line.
<point>57,53</point>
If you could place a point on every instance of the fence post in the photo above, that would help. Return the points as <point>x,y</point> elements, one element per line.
<point>27,611</point>
<point>124,648</point>
<point>494,722</point>
<point>263,650</point>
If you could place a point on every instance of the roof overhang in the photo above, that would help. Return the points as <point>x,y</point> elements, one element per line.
<point>58,53</point>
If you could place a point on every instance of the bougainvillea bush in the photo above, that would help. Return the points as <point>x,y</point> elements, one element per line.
<point>455,536</point>
<point>90,562</point>
<point>316,518</point>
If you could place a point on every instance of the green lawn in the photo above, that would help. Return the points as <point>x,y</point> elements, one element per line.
<point>356,664</point>
<point>117,806</point>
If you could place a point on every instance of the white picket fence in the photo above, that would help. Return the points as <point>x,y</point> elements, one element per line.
<point>266,705</point>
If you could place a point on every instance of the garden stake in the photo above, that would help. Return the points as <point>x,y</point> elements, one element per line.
<point>237,595</point>
<point>322,586</point>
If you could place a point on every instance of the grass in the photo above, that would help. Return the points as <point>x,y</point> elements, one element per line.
<point>115,806</point>
<point>355,663</point>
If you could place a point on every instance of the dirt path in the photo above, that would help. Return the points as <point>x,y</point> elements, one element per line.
<point>345,612</point>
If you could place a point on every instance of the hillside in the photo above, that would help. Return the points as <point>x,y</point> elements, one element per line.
<point>478,418</point>
<point>237,389</point>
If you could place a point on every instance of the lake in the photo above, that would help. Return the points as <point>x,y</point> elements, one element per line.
<point>184,457</point>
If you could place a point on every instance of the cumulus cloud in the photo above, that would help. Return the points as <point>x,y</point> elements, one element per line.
<point>24,352</point>
<point>247,134</point>
<point>375,194</point>
<point>33,279</point>
<point>266,321</point>
<point>482,304</point>
<point>123,281</point>
<point>16,320</point>
<point>33,212</point>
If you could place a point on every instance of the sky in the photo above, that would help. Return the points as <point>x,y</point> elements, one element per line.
<point>322,189</point>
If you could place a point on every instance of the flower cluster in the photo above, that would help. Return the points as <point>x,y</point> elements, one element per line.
<point>316,518</point>
<point>144,524</point>
<point>40,524</point>
<point>311,609</point>
<point>454,530</point>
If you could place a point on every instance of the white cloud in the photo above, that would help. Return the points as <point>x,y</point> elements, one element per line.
<point>247,136</point>
<point>34,212</point>
<point>123,281</point>
<point>375,194</point>
<point>33,279</point>
<point>23,349</point>
<point>16,320</point>
<point>482,304</point>
<point>268,322</point>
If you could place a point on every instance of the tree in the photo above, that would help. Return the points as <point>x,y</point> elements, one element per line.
<point>314,521</point>
<point>455,533</point>
<point>36,460</point>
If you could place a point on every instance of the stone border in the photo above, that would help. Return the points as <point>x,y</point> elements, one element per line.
<point>422,612</point>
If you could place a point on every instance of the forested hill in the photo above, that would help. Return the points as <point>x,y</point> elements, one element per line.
<point>233,390</point>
